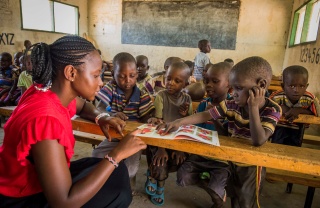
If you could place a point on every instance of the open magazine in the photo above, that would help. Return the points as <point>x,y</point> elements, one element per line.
<point>187,132</point>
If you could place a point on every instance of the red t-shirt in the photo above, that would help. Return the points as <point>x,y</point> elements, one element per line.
<point>39,116</point>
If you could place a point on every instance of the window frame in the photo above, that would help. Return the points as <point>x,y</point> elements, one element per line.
<point>53,19</point>
<point>305,27</point>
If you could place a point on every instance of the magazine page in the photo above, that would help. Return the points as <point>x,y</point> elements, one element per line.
<point>148,130</point>
<point>196,133</point>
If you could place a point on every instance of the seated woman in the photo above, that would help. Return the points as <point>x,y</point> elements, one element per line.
<point>38,142</point>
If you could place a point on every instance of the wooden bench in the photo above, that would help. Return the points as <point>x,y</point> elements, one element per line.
<point>296,178</point>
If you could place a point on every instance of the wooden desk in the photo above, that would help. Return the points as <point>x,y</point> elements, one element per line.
<point>296,159</point>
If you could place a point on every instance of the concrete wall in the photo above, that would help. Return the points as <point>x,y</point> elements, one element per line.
<point>10,22</point>
<point>293,57</point>
<point>262,30</point>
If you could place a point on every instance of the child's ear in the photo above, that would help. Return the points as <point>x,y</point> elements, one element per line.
<point>148,67</point>
<point>262,83</point>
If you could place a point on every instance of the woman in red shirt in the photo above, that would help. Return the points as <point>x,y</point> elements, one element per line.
<point>35,167</point>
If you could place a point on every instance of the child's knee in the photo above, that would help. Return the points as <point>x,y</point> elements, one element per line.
<point>184,178</point>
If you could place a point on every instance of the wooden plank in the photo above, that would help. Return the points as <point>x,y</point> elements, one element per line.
<point>6,110</point>
<point>292,177</point>
<point>274,88</point>
<point>307,119</point>
<point>87,137</point>
<point>195,105</point>
<point>296,159</point>
<point>276,82</point>
<point>311,139</point>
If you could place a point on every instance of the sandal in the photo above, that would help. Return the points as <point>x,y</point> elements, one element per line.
<point>150,184</point>
<point>158,196</point>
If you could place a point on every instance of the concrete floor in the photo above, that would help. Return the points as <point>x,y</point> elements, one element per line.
<point>273,194</point>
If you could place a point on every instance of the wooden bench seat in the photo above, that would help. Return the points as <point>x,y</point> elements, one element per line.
<point>296,178</point>
<point>311,139</point>
<point>93,139</point>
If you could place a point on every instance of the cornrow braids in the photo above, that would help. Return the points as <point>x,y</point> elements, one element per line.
<point>48,59</point>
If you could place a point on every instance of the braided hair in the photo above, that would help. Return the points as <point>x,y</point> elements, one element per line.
<point>48,59</point>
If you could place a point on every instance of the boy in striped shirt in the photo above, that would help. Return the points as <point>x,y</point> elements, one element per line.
<point>122,98</point>
<point>250,116</point>
<point>294,99</point>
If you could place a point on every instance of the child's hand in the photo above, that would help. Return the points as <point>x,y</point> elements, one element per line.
<point>183,109</point>
<point>209,106</point>
<point>155,121</point>
<point>284,109</point>
<point>168,127</point>
<point>161,157</point>
<point>179,156</point>
<point>292,114</point>
<point>121,115</point>
<point>256,96</point>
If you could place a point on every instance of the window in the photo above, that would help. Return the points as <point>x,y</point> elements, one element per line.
<point>305,24</point>
<point>49,16</point>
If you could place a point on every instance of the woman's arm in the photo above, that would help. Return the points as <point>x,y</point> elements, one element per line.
<point>88,111</point>
<point>54,174</point>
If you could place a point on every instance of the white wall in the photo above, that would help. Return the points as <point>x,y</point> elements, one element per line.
<point>10,22</point>
<point>262,30</point>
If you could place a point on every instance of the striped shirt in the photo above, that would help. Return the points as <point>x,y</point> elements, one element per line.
<point>202,107</point>
<point>138,105</point>
<point>238,118</point>
<point>307,101</point>
<point>145,85</point>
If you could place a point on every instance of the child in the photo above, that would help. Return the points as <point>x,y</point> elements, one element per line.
<point>201,59</point>
<point>170,104</point>
<point>216,81</point>
<point>144,79</point>
<point>250,116</point>
<point>158,81</point>
<point>25,78</point>
<point>124,100</point>
<point>16,59</point>
<point>9,78</point>
<point>294,100</point>
<point>229,61</point>
<point>190,64</point>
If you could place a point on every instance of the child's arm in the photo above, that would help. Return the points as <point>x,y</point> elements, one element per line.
<point>23,89</point>
<point>180,157</point>
<point>193,119</point>
<point>293,113</point>
<point>259,135</point>
<point>102,107</point>
<point>161,157</point>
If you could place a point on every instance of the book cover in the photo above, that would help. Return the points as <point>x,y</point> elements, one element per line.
<point>187,132</point>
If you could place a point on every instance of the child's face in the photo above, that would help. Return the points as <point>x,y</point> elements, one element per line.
<point>126,76</point>
<point>28,64</point>
<point>241,86</point>
<point>175,80</point>
<point>295,86</point>
<point>217,84</point>
<point>206,48</point>
<point>89,76</point>
<point>142,67</point>
<point>5,62</point>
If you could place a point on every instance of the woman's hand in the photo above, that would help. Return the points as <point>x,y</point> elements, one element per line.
<point>116,123</point>
<point>161,157</point>
<point>180,157</point>
<point>120,115</point>
<point>128,146</point>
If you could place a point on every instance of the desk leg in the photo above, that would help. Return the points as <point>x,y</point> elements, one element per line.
<point>289,188</point>
<point>309,197</point>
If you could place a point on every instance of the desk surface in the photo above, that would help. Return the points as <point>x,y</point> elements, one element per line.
<point>296,159</point>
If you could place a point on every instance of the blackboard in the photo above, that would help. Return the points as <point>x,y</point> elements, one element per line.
<point>180,23</point>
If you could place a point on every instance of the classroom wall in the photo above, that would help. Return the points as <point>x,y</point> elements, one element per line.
<point>293,57</point>
<point>10,23</point>
<point>262,30</point>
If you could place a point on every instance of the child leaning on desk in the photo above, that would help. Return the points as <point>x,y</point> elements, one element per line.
<point>124,100</point>
<point>170,104</point>
<point>294,100</point>
<point>216,81</point>
<point>250,116</point>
